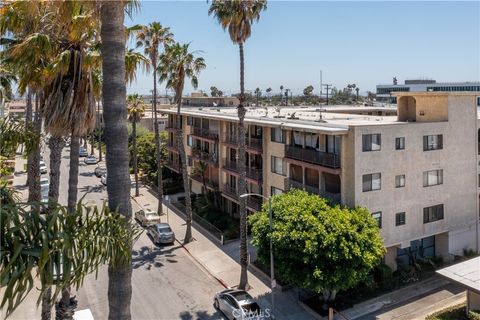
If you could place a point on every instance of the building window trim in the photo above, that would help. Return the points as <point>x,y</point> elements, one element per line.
<point>400,219</point>
<point>274,163</point>
<point>371,142</point>
<point>378,218</point>
<point>433,213</point>
<point>432,178</point>
<point>372,182</point>
<point>400,181</point>
<point>400,143</point>
<point>433,142</point>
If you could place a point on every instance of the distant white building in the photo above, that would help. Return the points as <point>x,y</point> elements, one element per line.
<point>385,92</point>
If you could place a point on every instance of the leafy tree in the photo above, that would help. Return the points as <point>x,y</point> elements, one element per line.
<point>318,246</point>
<point>214,92</point>
<point>308,91</point>
<point>237,16</point>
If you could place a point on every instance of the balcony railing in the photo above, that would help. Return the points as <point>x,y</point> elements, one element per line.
<point>171,145</point>
<point>170,126</point>
<point>293,184</point>
<point>250,143</point>
<point>204,133</point>
<point>204,156</point>
<point>254,203</point>
<point>208,182</point>
<point>252,173</point>
<point>313,156</point>
<point>174,165</point>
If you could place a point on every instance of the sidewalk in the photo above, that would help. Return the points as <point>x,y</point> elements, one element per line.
<point>222,262</point>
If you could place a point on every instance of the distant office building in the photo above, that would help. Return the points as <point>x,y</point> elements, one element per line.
<point>385,92</point>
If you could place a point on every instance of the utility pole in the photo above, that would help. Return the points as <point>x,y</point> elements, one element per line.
<point>321,85</point>
<point>286,96</point>
<point>327,87</point>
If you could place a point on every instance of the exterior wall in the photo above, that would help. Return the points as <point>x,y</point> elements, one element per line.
<point>349,178</point>
<point>473,300</point>
<point>270,149</point>
<point>457,193</point>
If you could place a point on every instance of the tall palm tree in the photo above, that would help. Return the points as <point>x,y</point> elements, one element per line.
<point>237,16</point>
<point>136,108</point>
<point>150,37</point>
<point>177,63</point>
<point>116,139</point>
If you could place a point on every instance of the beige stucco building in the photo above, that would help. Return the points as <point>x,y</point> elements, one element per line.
<point>416,171</point>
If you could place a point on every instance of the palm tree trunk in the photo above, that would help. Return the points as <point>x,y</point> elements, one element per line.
<point>29,121</point>
<point>99,123</point>
<point>242,178</point>
<point>183,159</point>
<point>34,194</point>
<point>135,163</point>
<point>157,140</point>
<point>66,307</point>
<point>56,145</point>
<point>116,139</point>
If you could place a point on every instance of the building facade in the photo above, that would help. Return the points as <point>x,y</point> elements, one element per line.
<point>386,92</point>
<point>416,171</point>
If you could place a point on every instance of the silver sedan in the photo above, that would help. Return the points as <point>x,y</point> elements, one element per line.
<point>238,304</point>
<point>161,233</point>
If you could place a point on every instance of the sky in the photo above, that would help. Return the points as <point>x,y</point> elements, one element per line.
<point>366,43</point>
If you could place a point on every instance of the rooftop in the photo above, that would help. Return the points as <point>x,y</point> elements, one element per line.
<point>466,273</point>
<point>317,118</point>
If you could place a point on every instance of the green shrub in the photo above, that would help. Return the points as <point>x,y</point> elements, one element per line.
<point>469,253</point>
<point>474,315</point>
<point>382,272</point>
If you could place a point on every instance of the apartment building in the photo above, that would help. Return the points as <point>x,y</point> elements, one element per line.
<point>415,171</point>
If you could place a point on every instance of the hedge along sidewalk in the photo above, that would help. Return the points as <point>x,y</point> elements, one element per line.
<point>223,261</point>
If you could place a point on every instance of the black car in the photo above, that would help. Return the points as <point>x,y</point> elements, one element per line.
<point>99,171</point>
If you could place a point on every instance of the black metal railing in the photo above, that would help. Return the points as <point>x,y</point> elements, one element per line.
<point>199,154</point>
<point>254,203</point>
<point>324,159</point>
<point>293,184</point>
<point>174,165</point>
<point>204,133</point>
<point>250,142</point>
<point>208,182</point>
<point>252,173</point>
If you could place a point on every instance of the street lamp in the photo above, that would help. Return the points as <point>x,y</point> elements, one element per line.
<point>272,273</point>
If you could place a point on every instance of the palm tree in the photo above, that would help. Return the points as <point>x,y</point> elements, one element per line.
<point>237,16</point>
<point>116,139</point>
<point>268,91</point>
<point>135,113</point>
<point>201,169</point>
<point>176,63</point>
<point>150,37</point>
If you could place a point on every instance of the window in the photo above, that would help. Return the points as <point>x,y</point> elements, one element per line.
<point>190,121</point>
<point>189,141</point>
<point>378,217</point>
<point>275,191</point>
<point>432,178</point>
<point>372,182</point>
<point>278,135</point>
<point>371,142</point>
<point>277,166</point>
<point>433,213</point>
<point>400,181</point>
<point>400,219</point>
<point>433,142</point>
<point>400,143</point>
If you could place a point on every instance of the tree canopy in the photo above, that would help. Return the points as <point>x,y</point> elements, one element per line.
<point>317,246</point>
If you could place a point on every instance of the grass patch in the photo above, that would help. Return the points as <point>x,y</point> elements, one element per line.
<point>454,313</point>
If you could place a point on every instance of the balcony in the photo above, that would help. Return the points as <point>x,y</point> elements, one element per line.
<point>293,184</point>
<point>210,158</point>
<point>170,126</point>
<point>324,159</point>
<point>252,173</point>
<point>173,165</point>
<point>204,133</point>
<point>251,143</point>
<point>208,182</point>
<point>254,203</point>
<point>171,146</point>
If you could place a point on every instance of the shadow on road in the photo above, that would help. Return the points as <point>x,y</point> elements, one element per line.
<point>88,189</point>
<point>200,315</point>
<point>148,257</point>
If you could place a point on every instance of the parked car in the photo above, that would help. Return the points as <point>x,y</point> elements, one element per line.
<point>82,152</point>
<point>161,233</point>
<point>44,188</point>
<point>104,179</point>
<point>100,171</point>
<point>147,217</point>
<point>91,159</point>
<point>43,167</point>
<point>238,304</point>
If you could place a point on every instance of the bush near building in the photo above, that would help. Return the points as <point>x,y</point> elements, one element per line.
<point>317,246</point>
<point>454,313</point>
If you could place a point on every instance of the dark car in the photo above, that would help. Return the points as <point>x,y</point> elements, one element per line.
<point>100,171</point>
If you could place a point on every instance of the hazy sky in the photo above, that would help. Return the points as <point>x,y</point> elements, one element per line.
<point>360,42</point>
